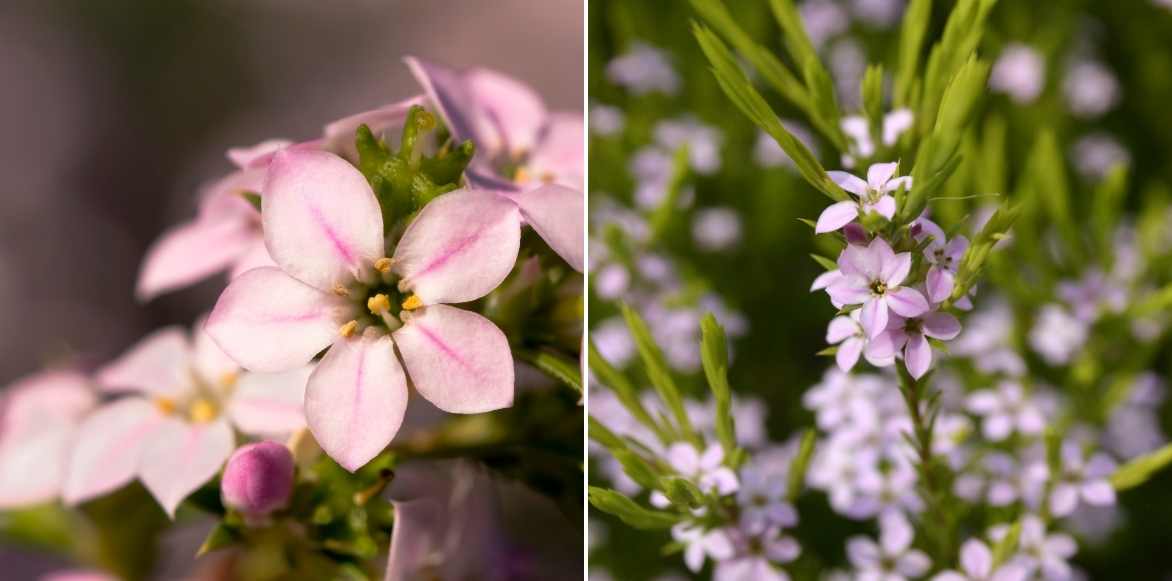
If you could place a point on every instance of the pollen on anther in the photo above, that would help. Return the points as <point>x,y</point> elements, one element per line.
<point>383,265</point>
<point>165,405</point>
<point>413,302</point>
<point>341,290</point>
<point>378,304</point>
<point>202,411</point>
<point>348,329</point>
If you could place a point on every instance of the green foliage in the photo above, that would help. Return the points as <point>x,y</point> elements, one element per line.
<point>714,357</point>
<point>555,365</point>
<point>619,505</point>
<point>1139,470</point>
<point>657,370</point>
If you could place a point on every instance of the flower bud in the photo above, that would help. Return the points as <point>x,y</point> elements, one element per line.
<point>258,479</point>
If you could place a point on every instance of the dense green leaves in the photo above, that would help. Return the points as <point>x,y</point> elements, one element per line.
<point>629,511</point>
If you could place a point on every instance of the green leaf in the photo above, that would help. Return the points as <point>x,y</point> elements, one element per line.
<point>655,365</point>
<point>221,536</point>
<point>612,502</point>
<point>1139,470</point>
<point>252,198</point>
<point>736,85</point>
<point>681,491</point>
<point>556,366</point>
<point>602,434</point>
<point>610,377</point>
<point>637,468</point>
<point>974,258</point>
<point>911,39</point>
<point>872,93</point>
<point>1106,206</point>
<point>714,357</point>
<point>663,214</point>
<point>801,463</point>
<point>1007,546</point>
<point>962,32</point>
<point>825,262</point>
<point>823,100</point>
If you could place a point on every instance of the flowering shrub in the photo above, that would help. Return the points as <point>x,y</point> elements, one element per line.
<point>433,245</point>
<point>990,405</point>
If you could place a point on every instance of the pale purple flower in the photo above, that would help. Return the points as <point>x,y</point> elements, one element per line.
<point>767,153</point>
<point>841,398</point>
<point>611,281</point>
<point>1020,72</point>
<point>1039,553</point>
<point>891,559</point>
<point>890,490</point>
<point>762,500</point>
<point>1057,335</point>
<point>644,69</point>
<point>1090,88</point>
<point>703,142</point>
<point>846,332</point>
<point>707,470</point>
<point>39,419</point>
<point>716,229</point>
<point>987,340</point>
<point>1093,294</point>
<point>258,479</point>
<point>323,226</point>
<point>1096,154</point>
<point>912,334</point>
<point>1001,480</point>
<point>1005,410</point>
<point>878,13</point>
<point>1082,479</point>
<point>976,564</point>
<point>823,20</point>
<point>874,195</point>
<point>700,544</point>
<point>614,341</point>
<point>871,276</point>
<point>606,120</point>
<point>861,144</point>
<point>848,62</point>
<point>755,557</point>
<point>944,255</point>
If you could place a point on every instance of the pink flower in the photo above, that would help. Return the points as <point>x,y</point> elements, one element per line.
<point>39,416</point>
<point>336,288</point>
<point>874,195</point>
<point>175,429</point>
<point>944,255</point>
<point>852,341</point>
<point>911,335</point>
<point>871,276</point>
<point>512,129</point>
<point>258,480</point>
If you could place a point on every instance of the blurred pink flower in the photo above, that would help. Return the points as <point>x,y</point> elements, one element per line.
<point>871,276</point>
<point>324,227</point>
<point>39,416</point>
<point>176,431</point>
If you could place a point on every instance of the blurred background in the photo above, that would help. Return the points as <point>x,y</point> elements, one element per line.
<point>117,111</point>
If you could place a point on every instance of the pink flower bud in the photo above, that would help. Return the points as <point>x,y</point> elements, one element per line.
<point>258,479</point>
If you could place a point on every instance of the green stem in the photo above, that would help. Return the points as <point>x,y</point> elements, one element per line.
<point>933,483</point>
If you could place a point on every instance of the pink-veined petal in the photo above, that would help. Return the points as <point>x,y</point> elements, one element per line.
<point>32,466</point>
<point>515,110</point>
<point>159,365</point>
<point>270,404</point>
<point>268,321</point>
<point>848,353</point>
<point>180,457</point>
<point>906,302</point>
<point>460,247</point>
<point>556,213</point>
<point>873,317</point>
<point>939,284</point>
<point>848,182</point>
<point>255,256</point>
<point>322,222</point>
<point>836,216</point>
<point>941,326</point>
<point>918,355</point>
<point>560,152</point>
<point>109,448</point>
<point>192,252</point>
<point>879,173</point>
<point>355,399</point>
<point>457,359</point>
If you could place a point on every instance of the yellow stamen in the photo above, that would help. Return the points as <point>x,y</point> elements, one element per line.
<point>548,177</point>
<point>413,302</point>
<point>348,329</point>
<point>378,304</point>
<point>166,405</point>
<point>521,176</point>
<point>202,411</point>
<point>341,290</point>
<point>228,379</point>
<point>383,265</point>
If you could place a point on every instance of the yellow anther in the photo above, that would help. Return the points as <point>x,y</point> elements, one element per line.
<point>378,304</point>
<point>166,405</point>
<point>348,329</point>
<point>521,176</point>
<point>413,302</point>
<point>341,290</point>
<point>202,411</point>
<point>548,177</point>
<point>383,265</point>
<point>228,379</point>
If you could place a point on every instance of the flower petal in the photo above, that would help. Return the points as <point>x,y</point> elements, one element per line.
<point>939,284</point>
<point>268,321</point>
<point>191,252</point>
<point>976,559</point>
<point>461,246</point>
<point>457,359</point>
<point>248,156</point>
<point>515,109</point>
<point>896,268</point>
<point>840,328</point>
<point>848,182</point>
<point>33,465</point>
<point>159,364</point>
<point>270,404</point>
<point>557,214</point>
<point>836,216</point>
<point>355,399</point>
<point>874,317</point>
<point>560,152</point>
<point>879,173</point>
<point>941,326</point>
<point>907,302</point>
<point>884,206</point>
<point>322,222</point>
<point>848,353</point>
<point>208,360</point>
<point>917,355</point>
<point>386,121</point>
<point>109,448</point>
<point>181,457</point>
<point>451,95</point>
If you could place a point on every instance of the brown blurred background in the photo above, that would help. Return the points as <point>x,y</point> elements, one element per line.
<point>114,112</point>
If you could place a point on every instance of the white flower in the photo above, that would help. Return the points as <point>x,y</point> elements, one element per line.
<point>716,229</point>
<point>1006,410</point>
<point>644,69</point>
<point>703,142</point>
<point>1039,552</point>
<point>1019,72</point>
<point>1090,89</point>
<point>1082,480</point>
<point>756,556</point>
<point>892,558</point>
<point>762,500</point>
<point>700,544</point>
<point>1057,335</point>
<point>976,562</point>
<point>707,470</point>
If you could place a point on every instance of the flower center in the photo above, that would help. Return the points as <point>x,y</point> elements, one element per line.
<point>377,303</point>
<point>879,287</point>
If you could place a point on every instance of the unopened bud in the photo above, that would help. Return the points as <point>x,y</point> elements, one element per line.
<point>258,480</point>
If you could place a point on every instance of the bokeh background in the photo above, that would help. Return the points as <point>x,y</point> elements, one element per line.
<point>115,112</point>
<point>763,272</point>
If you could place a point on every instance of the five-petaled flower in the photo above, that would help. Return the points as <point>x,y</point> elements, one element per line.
<point>874,195</point>
<point>871,276</point>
